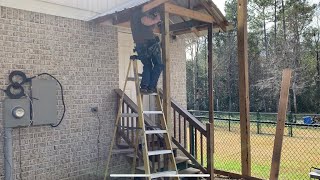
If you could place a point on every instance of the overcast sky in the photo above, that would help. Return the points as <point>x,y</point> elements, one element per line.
<point>220,4</point>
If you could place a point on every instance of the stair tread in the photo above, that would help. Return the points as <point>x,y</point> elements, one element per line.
<point>190,170</point>
<point>123,145</point>
<point>163,174</point>
<point>131,156</point>
<point>123,151</point>
<point>129,115</point>
<point>179,159</point>
<point>156,131</point>
<point>159,152</point>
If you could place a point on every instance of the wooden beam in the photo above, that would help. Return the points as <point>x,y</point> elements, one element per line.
<point>180,11</point>
<point>210,150</point>
<point>215,14</point>
<point>210,73</point>
<point>235,175</point>
<point>210,126</point>
<point>187,25</point>
<point>281,120</point>
<point>165,32</point>
<point>153,4</point>
<point>187,31</point>
<point>244,87</point>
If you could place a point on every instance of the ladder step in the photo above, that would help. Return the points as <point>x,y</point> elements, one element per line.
<point>123,151</point>
<point>128,128</point>
<point>163,174</point>
<point>133,78</point>
<point>151,94</point>
<point>159,152</point>
<point>152,112</point>
<point>156,131</point>
<point>129,115</point>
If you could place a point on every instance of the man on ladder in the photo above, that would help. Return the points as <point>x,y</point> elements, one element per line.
<point>148,49</point>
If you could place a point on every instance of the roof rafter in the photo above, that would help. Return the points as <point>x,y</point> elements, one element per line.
<point>180,11</point>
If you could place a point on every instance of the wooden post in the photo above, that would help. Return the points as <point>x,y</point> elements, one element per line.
<point>165,33</point>
<point>210,126</point>
<point>282,113</point>
<point>210,150</point>
<point>244,87</point>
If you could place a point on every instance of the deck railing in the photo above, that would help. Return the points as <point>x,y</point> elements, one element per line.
<point>189,135</point>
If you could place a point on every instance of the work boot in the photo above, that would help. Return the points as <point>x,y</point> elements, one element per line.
<point>152,90</point>
<point>144,91</point>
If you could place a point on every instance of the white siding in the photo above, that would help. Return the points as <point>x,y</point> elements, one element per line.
<point>76,9</point>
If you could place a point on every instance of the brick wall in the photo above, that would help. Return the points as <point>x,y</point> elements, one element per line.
<point>84,58</point>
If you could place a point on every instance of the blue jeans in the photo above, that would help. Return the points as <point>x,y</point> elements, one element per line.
<point>150,56</point>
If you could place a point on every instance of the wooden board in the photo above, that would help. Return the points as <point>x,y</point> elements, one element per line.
<point>210,126</point>
<point>244,87</point>
<point>184,12</point>
<point>281,119</point>
<point>166,60</point>
<point>153,4</point>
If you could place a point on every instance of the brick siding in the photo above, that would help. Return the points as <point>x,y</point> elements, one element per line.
<point>84,57</point>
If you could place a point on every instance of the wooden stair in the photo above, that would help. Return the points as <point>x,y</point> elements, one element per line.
<point>185,164</point>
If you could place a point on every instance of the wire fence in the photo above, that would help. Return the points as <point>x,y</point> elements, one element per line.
<point>301,145</point>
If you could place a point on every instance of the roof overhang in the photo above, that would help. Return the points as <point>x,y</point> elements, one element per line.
<point>186,16</point>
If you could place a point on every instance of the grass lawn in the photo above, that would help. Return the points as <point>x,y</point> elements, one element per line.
<point>299,152</point>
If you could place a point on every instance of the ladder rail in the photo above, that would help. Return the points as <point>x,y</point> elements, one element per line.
<point>141,132</point>
<point>163,123</point>
<point>141,121</point>
<point>116,123</point>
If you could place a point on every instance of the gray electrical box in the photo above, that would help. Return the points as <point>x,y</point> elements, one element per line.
<point>23,107</point>
<point>45,101</point>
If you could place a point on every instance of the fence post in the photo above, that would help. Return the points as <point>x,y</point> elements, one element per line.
<point>290,120</point>
<point>191,140</point>
<point>258,122</point>
<point>229,121</point>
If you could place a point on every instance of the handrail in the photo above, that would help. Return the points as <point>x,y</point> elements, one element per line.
<point>131,104</point>
<point>191,119</point>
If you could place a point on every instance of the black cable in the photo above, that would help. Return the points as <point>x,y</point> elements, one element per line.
<point>62,96</point>
<point>98,142</point>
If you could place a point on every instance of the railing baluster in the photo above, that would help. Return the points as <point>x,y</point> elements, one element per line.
<point>185,132</point>
<point>196,143</point>
<point>159,156</point>
<point>128,122</point>
<point>179,128</point>
<point>201,144</point>
<point>133,125</point>
<point>191,135</point>
<point>153,157</point>
<point>174,124</point>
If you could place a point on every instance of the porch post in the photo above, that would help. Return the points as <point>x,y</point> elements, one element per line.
<point>165,35</point>
<point>210,126</point>
<point>244,87</point>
